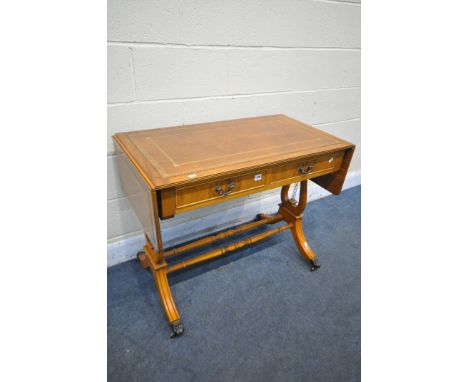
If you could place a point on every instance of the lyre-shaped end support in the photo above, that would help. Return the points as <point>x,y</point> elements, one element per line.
<point>292,213</point>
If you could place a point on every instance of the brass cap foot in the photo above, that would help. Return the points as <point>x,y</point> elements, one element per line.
<point>177,329</point>
<point>314,265</point>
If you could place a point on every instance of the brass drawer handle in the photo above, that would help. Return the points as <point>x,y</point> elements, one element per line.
<point>305,171</point>
<point>220,192</point>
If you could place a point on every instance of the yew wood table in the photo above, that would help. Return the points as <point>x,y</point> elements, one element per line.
<point>172,170</point>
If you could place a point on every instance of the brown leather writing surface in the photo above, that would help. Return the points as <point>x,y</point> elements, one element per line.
<point>181,154</point>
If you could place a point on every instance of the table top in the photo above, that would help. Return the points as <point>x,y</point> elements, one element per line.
<point>168,156</point>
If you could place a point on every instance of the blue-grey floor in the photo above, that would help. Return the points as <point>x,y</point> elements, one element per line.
<point>258,314</point>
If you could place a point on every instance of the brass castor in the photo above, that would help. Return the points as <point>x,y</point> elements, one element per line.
<point>142,260</point>
<point>258,217</point>
<point>139,254</point>
<point>314,265</point>
<point>177,329</point>
<point>262,216</point>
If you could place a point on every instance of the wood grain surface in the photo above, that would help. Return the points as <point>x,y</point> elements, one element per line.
<point>182,154</point>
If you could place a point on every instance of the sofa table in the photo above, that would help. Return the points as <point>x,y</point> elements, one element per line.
<point>169,171</point>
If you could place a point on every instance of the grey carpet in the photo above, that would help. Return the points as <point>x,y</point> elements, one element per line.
<point>258,314</point>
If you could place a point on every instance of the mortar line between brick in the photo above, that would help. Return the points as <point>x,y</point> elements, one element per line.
<point>132,67</point>
<point>228,96</point>
<point>337,121</point>
<point>338,2</point>
<point>142,44</point>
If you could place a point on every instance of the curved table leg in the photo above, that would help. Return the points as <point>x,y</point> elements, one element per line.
<point>167,301</point>
<point>292,213</point>
<point>148,259</point>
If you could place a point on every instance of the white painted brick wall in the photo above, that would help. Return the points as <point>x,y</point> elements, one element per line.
<point>190,61</point>
<point>283,23</point>
<point>167,73</point>
<point>120,83</point>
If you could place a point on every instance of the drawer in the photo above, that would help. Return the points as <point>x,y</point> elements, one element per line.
<point>307,168</point>
<point>224,188</point>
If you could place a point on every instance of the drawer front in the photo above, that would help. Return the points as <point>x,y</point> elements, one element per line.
<point>307,168</point>
<point>219,189</point>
